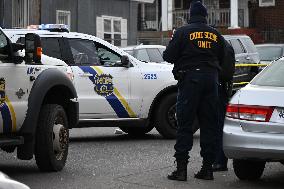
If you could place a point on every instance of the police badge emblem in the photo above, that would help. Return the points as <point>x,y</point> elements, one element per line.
<point>2,91</point>
<point>103,84</point>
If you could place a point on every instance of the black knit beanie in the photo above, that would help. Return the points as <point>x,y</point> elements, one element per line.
<point>198,9</point>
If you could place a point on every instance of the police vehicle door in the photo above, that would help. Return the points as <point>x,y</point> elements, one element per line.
<point>13,90</point>
<point>101,82</point>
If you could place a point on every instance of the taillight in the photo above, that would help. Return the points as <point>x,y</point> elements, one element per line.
<point>250,113</point>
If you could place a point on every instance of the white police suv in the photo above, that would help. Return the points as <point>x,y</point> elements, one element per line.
<point>114,88</point>
<point>37,104</point>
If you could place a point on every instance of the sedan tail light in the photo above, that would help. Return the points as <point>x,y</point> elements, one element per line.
<point>249,113</point>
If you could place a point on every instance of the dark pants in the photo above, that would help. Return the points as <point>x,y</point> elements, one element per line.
<point>197,96</point>
<point>223,100</point>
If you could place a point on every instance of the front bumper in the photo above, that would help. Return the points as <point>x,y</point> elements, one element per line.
<point>240,144</point>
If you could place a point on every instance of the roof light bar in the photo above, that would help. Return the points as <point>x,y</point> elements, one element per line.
<point>50,27</point>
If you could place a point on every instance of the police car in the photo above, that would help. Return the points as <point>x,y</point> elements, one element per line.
<point>114,88</point>
<point>37,104</point>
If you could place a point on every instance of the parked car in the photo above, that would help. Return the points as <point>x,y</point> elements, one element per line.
<point>147,53</point>
<point>254,125</point>
<point>7,183</point>
<point>245,53</point>
<point>269,52</point>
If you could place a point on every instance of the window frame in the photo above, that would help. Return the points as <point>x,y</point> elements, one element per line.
<point>68,14</point>
<point>266,4</point>
<point>112,32</point>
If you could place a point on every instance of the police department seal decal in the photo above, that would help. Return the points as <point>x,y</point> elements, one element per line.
<point>103,84</point>
<point>2,91</point>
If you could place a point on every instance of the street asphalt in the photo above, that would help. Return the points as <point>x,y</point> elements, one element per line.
<point>98,158</point>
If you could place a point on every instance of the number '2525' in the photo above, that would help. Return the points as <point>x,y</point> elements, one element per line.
<point>150,76</point>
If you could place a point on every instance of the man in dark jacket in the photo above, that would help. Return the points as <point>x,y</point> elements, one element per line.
<point>196,51</point>
<point>225,92</point>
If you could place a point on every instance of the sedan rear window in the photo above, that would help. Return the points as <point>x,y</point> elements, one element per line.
<point>271,76</point>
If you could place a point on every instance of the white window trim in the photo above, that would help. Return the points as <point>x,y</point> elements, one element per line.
<point>68,13</point>
<point>112,25</point>
<point>266,4</point>
<point>123,30</point>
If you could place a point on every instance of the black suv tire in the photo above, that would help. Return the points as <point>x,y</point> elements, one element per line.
<point>247,169</point>
<point>50,149</point>
<point>165,120</point>
<point>165,117</point>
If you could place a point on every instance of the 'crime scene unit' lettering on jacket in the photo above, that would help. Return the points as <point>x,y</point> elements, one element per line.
<point>204,39</point>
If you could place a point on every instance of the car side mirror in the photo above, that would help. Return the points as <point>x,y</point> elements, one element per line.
<point>125,61</point>
<point>33,48</point>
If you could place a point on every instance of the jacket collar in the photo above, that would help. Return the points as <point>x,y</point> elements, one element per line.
<point>198,19</point>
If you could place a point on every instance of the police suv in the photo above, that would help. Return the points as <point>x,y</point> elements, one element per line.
<point>37,104</point>
<point>114,88</point>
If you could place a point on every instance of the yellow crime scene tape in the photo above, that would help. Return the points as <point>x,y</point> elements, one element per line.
<point>247,65</point>
<point>251,65</point>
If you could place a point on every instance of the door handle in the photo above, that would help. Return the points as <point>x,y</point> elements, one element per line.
<point>86,74</point>
<point>237,60</point>
<point>248,58</point>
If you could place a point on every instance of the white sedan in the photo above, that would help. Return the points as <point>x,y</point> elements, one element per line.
<point>7,183</point>
<point>147,53</point>
<point>254,125</point>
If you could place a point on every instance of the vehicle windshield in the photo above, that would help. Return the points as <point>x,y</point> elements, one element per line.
<point>269,53</point>
<point>271,76</point>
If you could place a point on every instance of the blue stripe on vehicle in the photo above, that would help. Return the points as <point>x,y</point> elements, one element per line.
<point>112,99</point>
<point>6,117</point>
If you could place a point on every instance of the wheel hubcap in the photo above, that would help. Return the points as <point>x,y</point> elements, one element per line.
<point>60,140</point>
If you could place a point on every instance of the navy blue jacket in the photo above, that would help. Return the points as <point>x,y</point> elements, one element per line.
<point>195,45</point>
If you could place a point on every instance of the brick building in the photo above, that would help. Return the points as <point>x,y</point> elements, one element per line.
<point>267,16</point>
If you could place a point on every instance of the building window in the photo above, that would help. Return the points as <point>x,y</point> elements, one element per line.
<point>266,3</point>
<point>63,17</point>
<point>112,29</point>
<point>178,4</point>
<point>20,13</point>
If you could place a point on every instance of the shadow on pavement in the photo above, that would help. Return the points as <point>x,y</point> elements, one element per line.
<point>14,169</point>
<point>268,181</point>
<point>121,137</point>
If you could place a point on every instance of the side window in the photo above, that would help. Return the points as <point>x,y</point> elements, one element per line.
<point>162,50</point>
<point>84,52</point>
<point>142,54</point>
<point>238,47</point>
<point>51,47</point>
<point>155,55</point>
<point>249,45</point>
<point>108,57</point>
<point>21,40</point>
<point>4,47</point>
